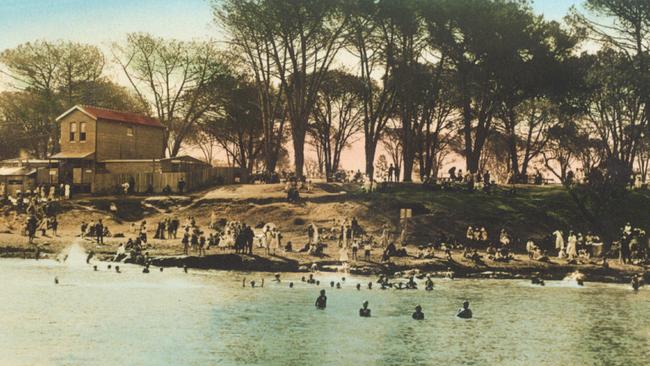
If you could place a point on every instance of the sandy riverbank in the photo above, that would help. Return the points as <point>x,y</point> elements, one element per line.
<point>447,213</point>
<point>168,253</point>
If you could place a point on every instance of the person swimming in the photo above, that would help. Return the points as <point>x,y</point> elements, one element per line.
<point>321,301</point>
<point>161,269</point>
<point>428,284</point>
<point>117,269</point>
<point>465,312</point>
<point>332,284</point>
<point>253,283</point>
<point>418,314</point>
<point>185,268</point>
<point>317,283</point>
<point>56,280</point>
<point>108,267</point>
<point>364,312</point>
<point>636,283</point>
<point>243,282</point>
<point>95,268</point>
<point>358,287</point>
<point>290,284</point>
<point>145,270</point>
<point>411,284</point>
<point>369,285</point>
<point>277,277</point>
<point>338,285</point>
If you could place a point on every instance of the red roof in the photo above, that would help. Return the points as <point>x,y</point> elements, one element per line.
<point>127,117</point>
<point>112,115</point>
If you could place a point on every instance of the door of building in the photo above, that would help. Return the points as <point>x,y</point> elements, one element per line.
<point>76,175</point>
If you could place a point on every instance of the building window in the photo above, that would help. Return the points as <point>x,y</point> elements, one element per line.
<point>129,131</point>
<point>82,131</point>
<point>73,131</point>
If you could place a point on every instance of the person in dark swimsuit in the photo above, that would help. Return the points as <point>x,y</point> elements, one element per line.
<point>429,284</point>
<point>418,314</point>
<point>465,312</point>
<point>364,312</point>
<point>321,301</point>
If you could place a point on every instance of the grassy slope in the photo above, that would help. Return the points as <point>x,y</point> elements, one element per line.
<point>532,211</point>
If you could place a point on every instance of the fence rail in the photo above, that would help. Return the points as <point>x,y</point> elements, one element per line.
<point>194,178</point>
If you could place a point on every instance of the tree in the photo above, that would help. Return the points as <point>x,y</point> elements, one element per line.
<point>487,43</point>
<point>303,38</point>
<point>337,117</point>
<point>372,41</point>
<point>250,44</point>
<point>237,124</point>
<point>382,168</point>
<point>175,78</point>
<point>392,142</point>
<point>48,78</point>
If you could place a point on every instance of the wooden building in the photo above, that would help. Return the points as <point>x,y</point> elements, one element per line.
<point>22,175</point>
<point>91,135</point>
<point>101,149</point>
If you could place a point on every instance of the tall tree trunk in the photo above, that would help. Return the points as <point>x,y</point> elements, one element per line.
<point>370,149</point>
<point>299,150</point>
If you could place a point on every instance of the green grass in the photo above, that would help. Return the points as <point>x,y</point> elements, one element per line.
<point>533,211</point>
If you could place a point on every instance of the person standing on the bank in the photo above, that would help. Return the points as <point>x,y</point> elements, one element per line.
<point>186,243</point>
<point>559,241</point>
<point>391,171</point>
<point>99,232</point>
<point>181,185</point>
<point>32,225</point>
<point>572,246</point>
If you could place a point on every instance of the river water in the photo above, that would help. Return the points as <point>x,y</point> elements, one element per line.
<point>207,318</point>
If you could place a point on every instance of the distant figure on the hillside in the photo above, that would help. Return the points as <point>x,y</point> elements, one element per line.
<point>465,312</point>
<point>181,185</point>
<point>321,301</point>
<point>364,312</point>
<point>391,171</point>
<point>418,314</point>
<point>538,177</point>
<point>452,173</point>
<point>397,168</point>
<point>570,176</point>
<point>486,181</point>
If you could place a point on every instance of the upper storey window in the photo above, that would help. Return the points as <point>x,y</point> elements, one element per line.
<point>82,131</point>
<point>73,131</point>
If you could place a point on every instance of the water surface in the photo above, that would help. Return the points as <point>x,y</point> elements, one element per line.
<point>207,318</point>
